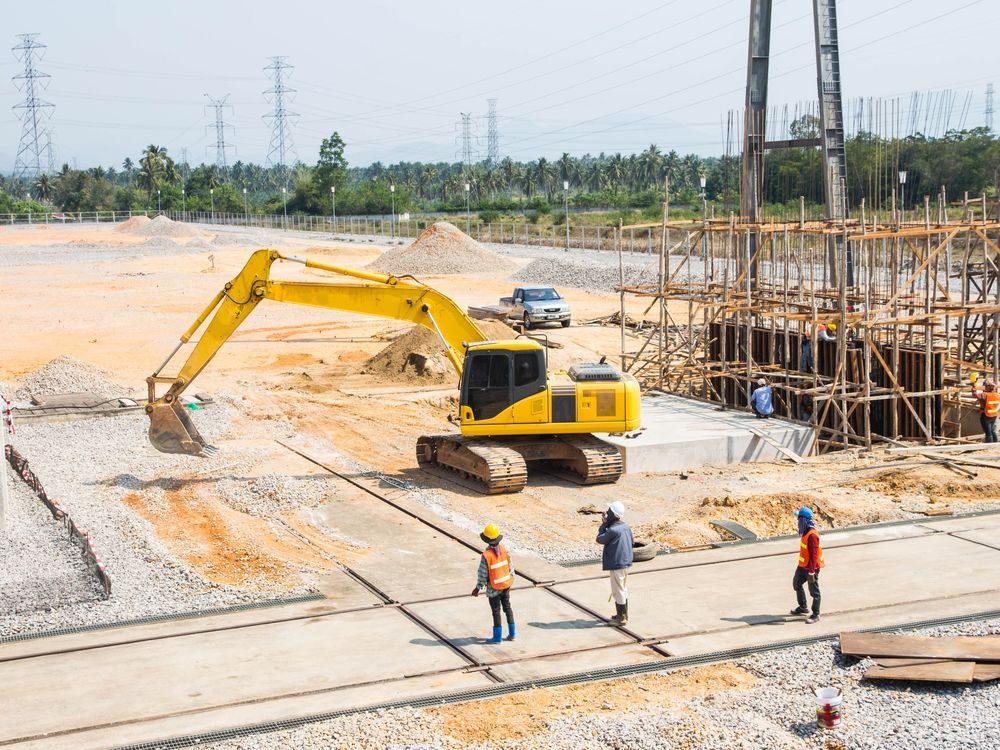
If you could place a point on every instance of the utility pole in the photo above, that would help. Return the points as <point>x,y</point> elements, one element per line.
<point>32,111</point>
<point>566,205</point>
<point>219,105</point>
<point>281,146</point>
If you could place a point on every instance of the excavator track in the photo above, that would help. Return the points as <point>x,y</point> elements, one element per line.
<point>595,462</point>
<point>494,467</point>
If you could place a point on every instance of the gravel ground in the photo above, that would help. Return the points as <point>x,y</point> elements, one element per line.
<point>66,374</point>
<point>40,566</point>
<point>89,466</point>
<point>779,712</point>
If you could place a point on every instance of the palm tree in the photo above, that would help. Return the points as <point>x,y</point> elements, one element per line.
<point>43,187</point>
<point>128,168</point>
<point>152,168</point>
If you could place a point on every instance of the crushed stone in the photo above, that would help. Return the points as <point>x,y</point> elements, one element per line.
<point>66,374</point>
<point>442,248</point>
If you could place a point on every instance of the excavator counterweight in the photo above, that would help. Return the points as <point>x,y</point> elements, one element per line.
<point>511,411</point>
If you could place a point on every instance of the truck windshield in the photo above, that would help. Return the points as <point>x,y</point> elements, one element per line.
<point>538,295</point>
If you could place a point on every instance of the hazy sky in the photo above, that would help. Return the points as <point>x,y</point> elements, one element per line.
<point>392,78</point>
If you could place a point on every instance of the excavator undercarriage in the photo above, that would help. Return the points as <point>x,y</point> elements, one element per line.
<point>498,465</point>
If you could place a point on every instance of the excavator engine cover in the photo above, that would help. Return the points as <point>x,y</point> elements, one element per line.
<point>171,430</point>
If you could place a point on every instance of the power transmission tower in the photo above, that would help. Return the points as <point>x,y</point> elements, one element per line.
<point>281,146</point>
<point>219,105</point>
<point>34,152</point>
<point>467,151</point>
<point>492,137</point>
<point>989,107</point>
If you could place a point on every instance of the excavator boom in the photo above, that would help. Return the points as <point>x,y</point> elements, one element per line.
<point>171,428</point>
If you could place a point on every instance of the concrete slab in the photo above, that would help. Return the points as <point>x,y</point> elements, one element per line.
<point>193,673</point>
<point>553,666</point>
<point>750,593</point>
<point>683,433</point>
<point>964,523</point>
<point>545,625</point>
<point>295,707</point>
<point>986,537</point>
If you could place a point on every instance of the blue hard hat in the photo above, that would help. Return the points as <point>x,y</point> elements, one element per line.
<point>804,513</point>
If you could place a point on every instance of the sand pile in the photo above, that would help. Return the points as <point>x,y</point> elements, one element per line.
<point>418,356</point>
<point>67,374</point>
<point>440,249</point>
<point>133,225</point>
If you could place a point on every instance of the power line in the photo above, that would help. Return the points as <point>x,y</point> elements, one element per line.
<point>281,146</point>
<point>466,148</point>
<point>34,152</point>
<point>220,105</point>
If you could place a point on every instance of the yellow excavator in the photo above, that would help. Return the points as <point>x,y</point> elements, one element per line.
<point>511,412</point>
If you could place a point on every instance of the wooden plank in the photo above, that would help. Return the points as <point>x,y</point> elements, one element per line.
<point>775,444</point>
<point>986,672</point>
<point>984,648</point>
<point>946,448</point>
<point>941,671</point>
<point>883,661</point>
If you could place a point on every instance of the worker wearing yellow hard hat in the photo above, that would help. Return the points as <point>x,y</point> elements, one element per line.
<point>495,576</point>
<point>820,332</point>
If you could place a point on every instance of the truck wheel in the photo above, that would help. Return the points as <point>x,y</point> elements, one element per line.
<point>565,323</point>
<point>527,322</point>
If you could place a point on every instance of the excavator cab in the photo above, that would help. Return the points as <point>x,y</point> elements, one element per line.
<point>497,376</point>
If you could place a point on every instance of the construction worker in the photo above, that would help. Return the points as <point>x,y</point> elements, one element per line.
<point>989,407</point>
<point>496,574</point>
<point>810,562</point>
<point>821,332</point>
<point>616,558</point>
<point>762,400</point>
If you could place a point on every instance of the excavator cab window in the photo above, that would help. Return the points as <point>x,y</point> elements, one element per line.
<point>486,387</point>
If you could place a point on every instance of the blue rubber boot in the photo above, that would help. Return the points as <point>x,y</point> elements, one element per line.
<point>511,631</point>
<point>497,635</point>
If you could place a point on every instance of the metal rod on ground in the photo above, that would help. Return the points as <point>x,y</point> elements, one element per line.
<point>3,462</point>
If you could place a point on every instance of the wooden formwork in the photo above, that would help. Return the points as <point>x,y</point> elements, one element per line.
<point>916,305</point>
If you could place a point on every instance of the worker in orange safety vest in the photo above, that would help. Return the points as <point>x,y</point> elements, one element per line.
<point>989,407</point>
<point>810,562</point>
<point>496,574</point>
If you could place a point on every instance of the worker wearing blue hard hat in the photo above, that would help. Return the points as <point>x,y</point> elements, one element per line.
<point>810,562</point>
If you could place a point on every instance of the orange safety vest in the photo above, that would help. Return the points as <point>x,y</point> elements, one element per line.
<point>804,550</point>
<point>991,404</point>
<point>498,565</point>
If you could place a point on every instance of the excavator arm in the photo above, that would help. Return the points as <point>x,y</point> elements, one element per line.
<point>171,429</point>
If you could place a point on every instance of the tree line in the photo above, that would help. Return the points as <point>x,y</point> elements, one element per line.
<point>964,161</point>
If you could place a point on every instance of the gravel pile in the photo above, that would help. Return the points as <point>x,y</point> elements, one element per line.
<point>40,567</point>
<point>159,243</point>
<point>442,248</point>
<point>90,467</point>
<point>161,226</point>
<point>274,494</point>
<point>779,712</point>
<point>66,374</point>
<point>133,224</point>
<point>584,274</point>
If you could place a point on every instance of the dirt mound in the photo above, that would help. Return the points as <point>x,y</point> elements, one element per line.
<point>132,225</point>
<point>67,374</point>
<point>418,356</point>
<point>442,248</point>
<point>161,226</point>
<point>905,485</point>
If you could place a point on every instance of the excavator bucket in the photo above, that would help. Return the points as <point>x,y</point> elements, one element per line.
<point>171,430</point>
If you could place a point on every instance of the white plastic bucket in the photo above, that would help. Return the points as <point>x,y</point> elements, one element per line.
<point>828,711</point>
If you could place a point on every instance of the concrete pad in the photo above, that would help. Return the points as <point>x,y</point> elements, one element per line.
<point>545,625</point>
<point>255,713</point>
<point>151,679</point>
<point>553,666</point>
<point>987,537</point>
<point>757,592</point>
<point>682,433</point>
<point>964,523</point>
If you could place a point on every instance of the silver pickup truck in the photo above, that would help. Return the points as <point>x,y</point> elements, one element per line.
<point>536,305</point>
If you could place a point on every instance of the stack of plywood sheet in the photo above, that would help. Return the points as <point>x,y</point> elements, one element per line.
<point>911,657</point>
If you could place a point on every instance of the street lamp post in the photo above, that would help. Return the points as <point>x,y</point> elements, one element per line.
<point>392,222</point>
<point>468,217</point>
<point>184,204</point>
<point>159,207</point>
<point>246,212</point>
<point>566,206</point>
<point>284,202</point>
<point>211,193</point>
<point>704,198</point>
<point>29,207</point>
<point>902,195</point>
<point>333,207</point>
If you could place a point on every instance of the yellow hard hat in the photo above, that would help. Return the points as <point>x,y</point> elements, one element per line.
<point>973,377</point>
<point>832,327</point>
<point>491,534</point>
